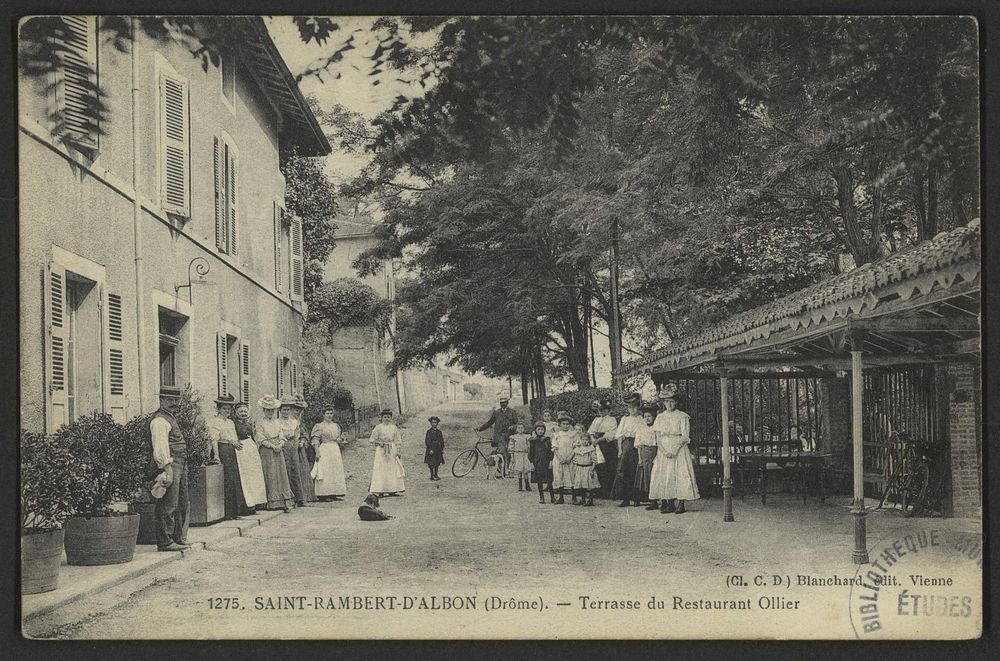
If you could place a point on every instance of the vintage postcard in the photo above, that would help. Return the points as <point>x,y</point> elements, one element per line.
<point>500,327</point>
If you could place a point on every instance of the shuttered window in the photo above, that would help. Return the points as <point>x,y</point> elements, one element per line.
<point>295,377</point>
<point>226,188</point>
<point>116,354</point>
<point>222,351</point>
<point>245,370</point>
<point>279,264</point>
<point>77,98</point>
<point>297,258</point>
<point>175,161</point>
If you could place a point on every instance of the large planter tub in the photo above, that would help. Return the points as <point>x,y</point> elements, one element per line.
<point>41,555</point>
<point>101,540</point>
<point>207,495</point>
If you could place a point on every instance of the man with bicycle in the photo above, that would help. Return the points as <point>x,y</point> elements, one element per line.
<point>503,421</point>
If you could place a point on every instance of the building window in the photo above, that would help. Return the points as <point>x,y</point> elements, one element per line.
<point>226,189</point>
<point>229,78</point>
<point>230,363</point>
<point>172,363</point>
<point>76,85</point>
<point>83,369</point>
<point>289,254</point>
<point>175,146</point>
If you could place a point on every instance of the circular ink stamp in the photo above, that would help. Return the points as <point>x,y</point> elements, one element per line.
<point>921,584</point>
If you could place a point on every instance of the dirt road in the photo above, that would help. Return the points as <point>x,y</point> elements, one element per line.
<point>459,545</point>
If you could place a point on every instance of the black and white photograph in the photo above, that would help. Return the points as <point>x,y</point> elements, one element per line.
<point>516,327</point>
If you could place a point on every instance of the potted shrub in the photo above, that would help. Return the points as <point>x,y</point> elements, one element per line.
<point>206,488</point>
<point>46,472</point>
<point>109,467</point>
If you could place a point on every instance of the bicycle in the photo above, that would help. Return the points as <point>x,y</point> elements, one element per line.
<point>916,481</point>
<point>468,459</point>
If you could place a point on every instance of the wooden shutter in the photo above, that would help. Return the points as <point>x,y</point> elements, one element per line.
<point>296,265</point>
<point>76,87</point>
<point>231,205</point>
<point>221,195</point>
<point>294,369</point>
<point>57,413</point>
<point>116,358</point>
<point>279,374</point>
<point>175,162</point>
<point>245,373</point>
<point>222,351</point>
<point>278,223</point>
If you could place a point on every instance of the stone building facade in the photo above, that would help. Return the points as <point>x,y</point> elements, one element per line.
<point>155,252</point>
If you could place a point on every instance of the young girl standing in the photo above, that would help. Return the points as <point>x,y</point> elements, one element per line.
<point>645,444</point>
<point>434,444</point>
<point>562,456</point>
<point>520,466</point>
<point>540,456</point>
<point>586,456</point>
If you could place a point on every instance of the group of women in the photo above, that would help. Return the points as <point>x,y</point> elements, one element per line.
<point>274,463</point>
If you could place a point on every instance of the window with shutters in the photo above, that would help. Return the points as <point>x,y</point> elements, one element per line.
<point>281,247</point>
<point>175,145</point>
<point>227,66</point>
<point>226,202</point>
<point>296,260</point>
<point>283,377</point>
<point>245,373</point>
<point>77,94</point>
<point>116,354</point>
<point>173,360</point>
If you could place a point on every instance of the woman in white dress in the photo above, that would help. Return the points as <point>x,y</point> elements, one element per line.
<point>387,469</point>
<point>328,471</point>
<point>673,480</point>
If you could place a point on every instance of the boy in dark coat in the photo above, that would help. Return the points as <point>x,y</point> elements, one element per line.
<point>434,441</point>
<point>540,456</point>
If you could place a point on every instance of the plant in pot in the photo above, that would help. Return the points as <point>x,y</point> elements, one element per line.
<point>206,490</point>
<point>109,468</point>
<point>46,481</point>
<point>143,502</point>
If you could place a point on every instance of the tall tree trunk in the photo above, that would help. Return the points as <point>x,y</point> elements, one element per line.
<point>540,370</point>
<point>576,347</point>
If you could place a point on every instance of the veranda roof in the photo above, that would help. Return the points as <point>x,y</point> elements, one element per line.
<point>915,304</point>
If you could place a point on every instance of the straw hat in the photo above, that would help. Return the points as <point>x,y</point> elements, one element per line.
<point>300,401</point>
<point>269,403</point>
<point>633,398</point>
<point>433,418</point>
<point>669,391</point>
<point>563,415</point>
<point>539,423</point>
<point>225,399</point>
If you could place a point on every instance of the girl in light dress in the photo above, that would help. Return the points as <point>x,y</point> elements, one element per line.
<point>673,479</point>
<point>562,459</point>
<point>586,457</point>
<point>520,466</point>
<point>328,471</point>
<point>387,469</point>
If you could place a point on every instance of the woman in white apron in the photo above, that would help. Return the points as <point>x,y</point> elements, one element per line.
<point>248,458</point>
<point>328,471</point>
<point>387,469</point>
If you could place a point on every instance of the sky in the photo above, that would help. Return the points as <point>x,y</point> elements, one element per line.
<point>353,89</point>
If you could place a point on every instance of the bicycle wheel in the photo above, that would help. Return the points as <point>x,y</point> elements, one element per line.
<point>465,463</point>
<point>916,490</point>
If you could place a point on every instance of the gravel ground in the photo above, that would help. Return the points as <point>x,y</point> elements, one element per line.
<point>554,571</point>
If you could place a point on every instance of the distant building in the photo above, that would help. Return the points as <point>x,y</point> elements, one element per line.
<point>116,225</point>
<point>361,357</point>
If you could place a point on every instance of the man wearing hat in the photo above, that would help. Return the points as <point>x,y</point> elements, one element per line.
<point>503,421</point>
<point>225,445</point>
<point>628,457</point>
<point>170,458</point>
<point>434,444</point>
<point>602,431</point>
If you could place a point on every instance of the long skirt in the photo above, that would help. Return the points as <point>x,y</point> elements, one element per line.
<point>585,477</point>
<point>643,472</point>
<point>305,470</point>
<point>562,475</point>
<point>541,473</point>
<point>625,473</point>
<point>251,474</point>
<point>235,503</point>
<point>387,471</point>
<point>673,477</point>
<point>606,471</point>
<point>292,465</point>
<point>328,471</point>
<point>279,492</point>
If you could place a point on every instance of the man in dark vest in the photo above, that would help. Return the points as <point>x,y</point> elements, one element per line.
<point>503,421</point>
<point>170,458</point>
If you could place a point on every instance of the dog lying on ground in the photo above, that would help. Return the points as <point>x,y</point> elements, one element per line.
<point>370,511</point>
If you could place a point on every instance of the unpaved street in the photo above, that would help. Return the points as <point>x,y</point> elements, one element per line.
<point>319,572</point>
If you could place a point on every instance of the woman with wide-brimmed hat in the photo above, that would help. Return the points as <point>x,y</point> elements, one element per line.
<point>673,480</point>
<point>387,468</point>
<point>328,471</point>
<point>248,457</point>
<point>289,429</point>
<point>628,456</point>
<point>225,443</point>
<point>270,442</point>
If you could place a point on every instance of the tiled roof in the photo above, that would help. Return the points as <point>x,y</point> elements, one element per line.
<point>939,262</point>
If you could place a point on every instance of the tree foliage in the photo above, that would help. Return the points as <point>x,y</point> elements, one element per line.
<point>310,195</point>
